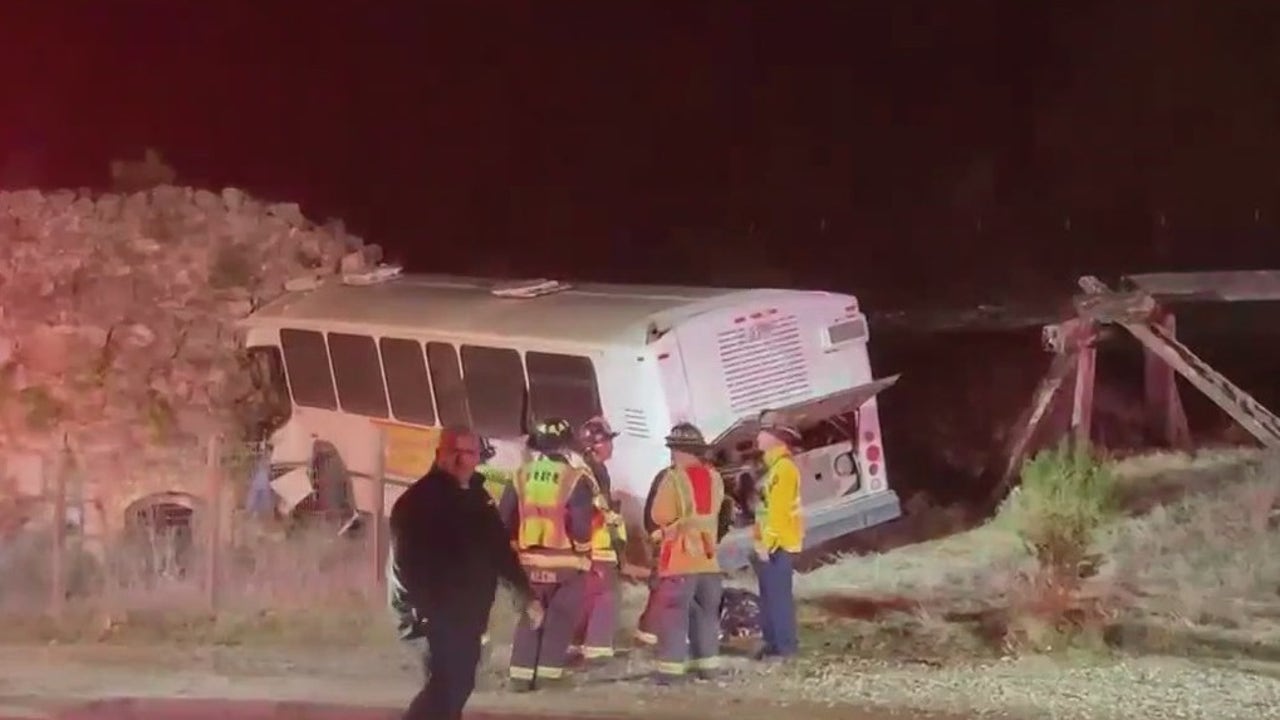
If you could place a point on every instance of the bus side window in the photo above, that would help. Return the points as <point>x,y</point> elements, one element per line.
<point>408,385</point>
<point>358,374</point>
<point>562,386</point>
<point>446,378</point>
<point>494,378</point>
<point>306,360</point>
<point>269,406</point>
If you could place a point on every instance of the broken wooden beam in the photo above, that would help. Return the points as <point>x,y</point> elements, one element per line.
<point>982,318</point>
<point>1029,422</point>
<point>1113,307</point>
<point>1249,413</point>
<point>1221,286</point>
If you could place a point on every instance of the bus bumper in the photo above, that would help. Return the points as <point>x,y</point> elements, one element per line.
<point>824,522</point>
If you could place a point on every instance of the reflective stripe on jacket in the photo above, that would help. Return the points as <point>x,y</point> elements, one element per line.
<point>496,480</point>
<point>604,527</point>
<point>605,523</point>
<point>687,511</point>
<point>543,488</point>
<point>779,523</point>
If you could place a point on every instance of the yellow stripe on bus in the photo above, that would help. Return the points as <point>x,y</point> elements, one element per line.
<point>408,450</point>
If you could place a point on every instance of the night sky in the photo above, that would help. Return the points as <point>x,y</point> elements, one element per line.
<point>912,152</point>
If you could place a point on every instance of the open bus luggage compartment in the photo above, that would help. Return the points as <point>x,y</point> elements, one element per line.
<point>825,520</point>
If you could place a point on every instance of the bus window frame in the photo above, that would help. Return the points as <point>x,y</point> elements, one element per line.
<point>385,407</point>
<point>507,427</point>
<point>290,377</point>
<point>421,349</point>
<point>597,403</point>
<point>464,405</point>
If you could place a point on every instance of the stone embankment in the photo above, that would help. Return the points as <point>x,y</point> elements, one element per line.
<point>117,337</point>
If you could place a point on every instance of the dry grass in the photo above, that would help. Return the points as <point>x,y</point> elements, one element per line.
<point>1193,566</point>
<point>308,587</point>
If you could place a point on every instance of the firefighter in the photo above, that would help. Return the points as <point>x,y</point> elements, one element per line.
<point>687,510</point>
<point>549,507</point>
<point>608,545</point>
<point>448,550</point>
<point>779,536</point>
<point>495,478</point>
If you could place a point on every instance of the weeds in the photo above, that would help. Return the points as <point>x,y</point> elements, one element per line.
<point>1065,567</point>
<point>300,588</point>
<point>1065,497</point>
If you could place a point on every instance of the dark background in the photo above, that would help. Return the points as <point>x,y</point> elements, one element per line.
<point>913,152</point>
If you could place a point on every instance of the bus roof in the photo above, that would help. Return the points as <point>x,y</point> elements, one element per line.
<point>584,314</point>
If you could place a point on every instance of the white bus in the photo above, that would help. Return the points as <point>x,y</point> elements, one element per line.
<point>377,368</point>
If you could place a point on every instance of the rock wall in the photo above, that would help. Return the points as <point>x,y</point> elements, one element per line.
<point>116,325</point>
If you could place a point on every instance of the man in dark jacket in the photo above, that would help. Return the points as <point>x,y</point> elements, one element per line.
<point>449,550</point>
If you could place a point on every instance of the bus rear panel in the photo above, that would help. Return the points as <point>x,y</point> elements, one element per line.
<point>802,352</point>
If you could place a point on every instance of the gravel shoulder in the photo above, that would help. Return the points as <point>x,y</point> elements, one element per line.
<point>36,679</point>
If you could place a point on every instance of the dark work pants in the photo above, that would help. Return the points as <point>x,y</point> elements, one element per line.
<point>542,654</point>
<point>453,652</point>
<point>600,623</point>
<point>777,602</point>
<point>688,620</point>
<point>646,629</point>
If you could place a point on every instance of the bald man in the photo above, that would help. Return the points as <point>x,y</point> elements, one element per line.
<point>449,549</point>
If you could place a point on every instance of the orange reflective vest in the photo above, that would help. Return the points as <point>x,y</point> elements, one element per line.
<point>687,510</point>
<point>543,488</point>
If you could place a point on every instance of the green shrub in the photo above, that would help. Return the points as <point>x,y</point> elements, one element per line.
<point>1065,497</point>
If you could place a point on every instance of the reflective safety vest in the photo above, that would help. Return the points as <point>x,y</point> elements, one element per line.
<point>496,480</point>
<point>689,544</point>
<point>605,523</point>
<point>604,527</point>
<point>542,538</point>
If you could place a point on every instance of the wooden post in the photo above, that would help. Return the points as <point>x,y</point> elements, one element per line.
<point>213,519</point>
<point>1031,418</point>
<point>1166,420</point>
<point>378,516</point>
<point>1086,372</point>
<point>58,565</point>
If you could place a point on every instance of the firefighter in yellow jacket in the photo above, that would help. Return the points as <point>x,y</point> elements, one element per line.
<point>549,508</point>
<point>779,536</point>
<point>599,623</point>
<point>687,510</point>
